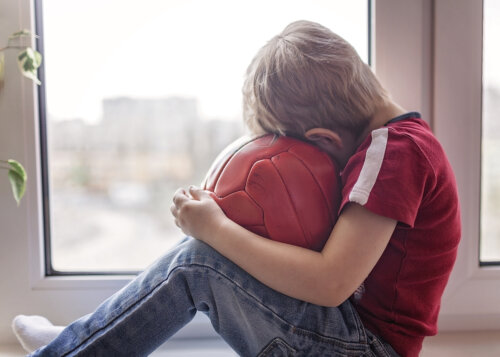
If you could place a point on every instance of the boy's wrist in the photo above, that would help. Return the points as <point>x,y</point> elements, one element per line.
<point>222,228</point>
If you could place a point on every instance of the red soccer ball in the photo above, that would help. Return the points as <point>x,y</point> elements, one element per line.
<point>278,187</point>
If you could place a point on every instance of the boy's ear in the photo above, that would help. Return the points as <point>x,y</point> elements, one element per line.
<point>323,136</point>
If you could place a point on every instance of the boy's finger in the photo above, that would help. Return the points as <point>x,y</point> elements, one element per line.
<point>173,210</point>
<point>180,197</point>
<point>198,193</point>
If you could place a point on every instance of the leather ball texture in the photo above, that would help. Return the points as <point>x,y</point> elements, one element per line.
<point>278,187</point>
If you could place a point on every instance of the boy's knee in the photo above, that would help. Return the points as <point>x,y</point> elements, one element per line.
<point>196,246</point>
<point>194,251</point>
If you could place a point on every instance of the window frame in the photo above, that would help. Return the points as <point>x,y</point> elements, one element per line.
<point>45,153</point>
<point>445,72</point>
<point>458,105</point>
<point>446,88</point>
<point>496,262</point>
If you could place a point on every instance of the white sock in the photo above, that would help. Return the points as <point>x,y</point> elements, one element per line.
<point>34,331</point>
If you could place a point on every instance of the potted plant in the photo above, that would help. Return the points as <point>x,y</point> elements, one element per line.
<point>28,61</point>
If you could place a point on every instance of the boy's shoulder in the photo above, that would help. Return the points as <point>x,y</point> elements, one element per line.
<point>407,129</point>
<point>396,167</point>
<point>413,139</point>
<point>404,138</point>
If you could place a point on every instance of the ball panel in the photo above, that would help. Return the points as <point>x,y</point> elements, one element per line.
<point>325,172</point>
<point>234,176</point>
<point>307,198</point>
<point>239,207</point>
<point>235,171</point>
<point>221,161</point>
<point>267,188</point>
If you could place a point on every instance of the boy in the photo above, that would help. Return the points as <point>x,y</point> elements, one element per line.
<point>394,243</point>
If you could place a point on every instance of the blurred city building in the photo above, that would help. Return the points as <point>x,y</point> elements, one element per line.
<point>124,169</point>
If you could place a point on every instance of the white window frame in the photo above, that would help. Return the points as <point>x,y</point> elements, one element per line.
<point>427,53</point>
<point>472,297</point>
<point>438,67</point>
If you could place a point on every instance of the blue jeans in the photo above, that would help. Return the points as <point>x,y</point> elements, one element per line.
<point>252,318</point>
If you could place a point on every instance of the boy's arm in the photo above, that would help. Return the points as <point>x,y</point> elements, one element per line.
<point>325,278</point>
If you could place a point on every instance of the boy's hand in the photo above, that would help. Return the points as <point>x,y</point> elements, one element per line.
<point>196,213</point>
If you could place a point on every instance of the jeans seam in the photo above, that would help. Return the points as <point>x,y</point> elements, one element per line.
<point>298,330</point>
<point>153,289</point>
<point>276,341</point>
<point>359,325</point>
<point>135,303</point>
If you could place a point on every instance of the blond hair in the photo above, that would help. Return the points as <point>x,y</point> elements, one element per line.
<point>308,77</point>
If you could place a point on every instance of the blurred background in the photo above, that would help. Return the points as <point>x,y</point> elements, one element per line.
<point>139,102</point>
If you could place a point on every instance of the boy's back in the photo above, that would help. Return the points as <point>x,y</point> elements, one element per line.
<point>401,172</point>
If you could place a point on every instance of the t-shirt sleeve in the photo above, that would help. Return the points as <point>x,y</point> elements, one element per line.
<point>387,175</point>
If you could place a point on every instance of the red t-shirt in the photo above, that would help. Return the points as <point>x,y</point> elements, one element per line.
<point>401,172</point>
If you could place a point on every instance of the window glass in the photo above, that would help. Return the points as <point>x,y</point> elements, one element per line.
<point>140,98</point>
<point>490,191</point>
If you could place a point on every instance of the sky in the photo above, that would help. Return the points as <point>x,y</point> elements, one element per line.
<point>97,49</point>
<point>491,35</point>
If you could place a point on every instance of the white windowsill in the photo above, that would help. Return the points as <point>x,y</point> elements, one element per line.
<point>214,347</point>
<point>457,344</point>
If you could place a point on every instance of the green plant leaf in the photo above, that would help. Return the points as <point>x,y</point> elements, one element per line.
<point>18,168</point>
<point>22,33</point>
<point>17,176</point>
<point>29,60</point>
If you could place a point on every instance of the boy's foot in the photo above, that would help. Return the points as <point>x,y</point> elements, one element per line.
<point>34,331</point>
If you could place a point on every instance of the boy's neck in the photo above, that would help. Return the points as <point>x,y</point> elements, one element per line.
<point>386,112</point>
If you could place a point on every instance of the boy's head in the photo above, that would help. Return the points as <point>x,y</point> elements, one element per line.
<point>308,77</point>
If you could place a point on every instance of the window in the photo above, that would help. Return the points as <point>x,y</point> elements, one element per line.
<point>139,104</point>
<point>490,178</point>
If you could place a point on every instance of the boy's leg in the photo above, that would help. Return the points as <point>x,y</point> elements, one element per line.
<point>252,318</point>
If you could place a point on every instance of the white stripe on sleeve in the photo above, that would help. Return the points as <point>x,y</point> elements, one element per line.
<point>371,167</point>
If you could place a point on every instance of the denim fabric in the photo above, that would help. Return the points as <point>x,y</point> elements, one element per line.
<point>252,318</point>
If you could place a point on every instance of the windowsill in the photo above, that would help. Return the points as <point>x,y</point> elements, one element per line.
<point>463,344</point>
<point>213,347</point>
<point>457,344</point>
